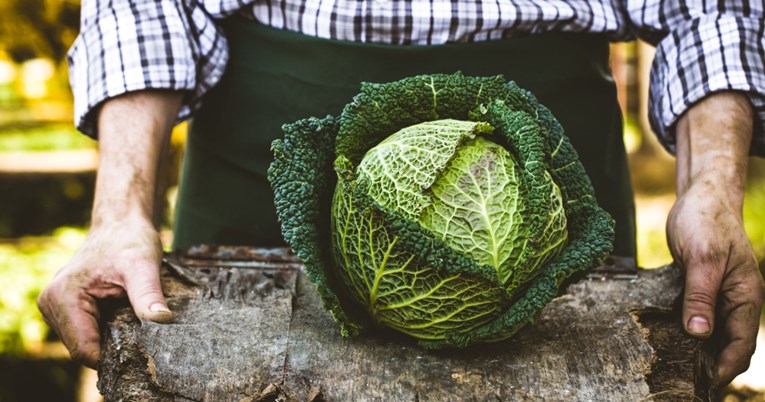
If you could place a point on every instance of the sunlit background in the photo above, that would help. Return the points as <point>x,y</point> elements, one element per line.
<point>47,174</point>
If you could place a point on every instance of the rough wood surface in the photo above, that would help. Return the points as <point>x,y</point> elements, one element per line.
<point>255,330</point>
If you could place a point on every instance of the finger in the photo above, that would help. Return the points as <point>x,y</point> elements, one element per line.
<point>73,315</point>
<point>145,294</point>
<point>702,284</point>
<point>77,325</point>
<point>83,332</point>
<point>741,326</point>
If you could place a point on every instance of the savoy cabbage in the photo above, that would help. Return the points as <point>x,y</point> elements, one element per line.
<point>446,207</point>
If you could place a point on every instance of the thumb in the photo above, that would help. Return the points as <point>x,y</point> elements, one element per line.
<point>145,294</point>
<point>702,284</point>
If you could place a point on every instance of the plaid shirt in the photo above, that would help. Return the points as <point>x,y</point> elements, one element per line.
<point>703,46</point>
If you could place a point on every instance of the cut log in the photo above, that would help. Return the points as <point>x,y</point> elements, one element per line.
<point>249,326</point>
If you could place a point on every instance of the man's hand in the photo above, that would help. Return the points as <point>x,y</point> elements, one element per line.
<point>122,252</point>
<point>116,260</point>
<point>723,287</point>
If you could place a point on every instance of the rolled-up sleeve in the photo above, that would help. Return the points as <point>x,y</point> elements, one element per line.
<point>702,47</point>
<point>127,46</point>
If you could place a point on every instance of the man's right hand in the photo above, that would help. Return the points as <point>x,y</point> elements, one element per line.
<point>117,259</point>
<point>122,252</point>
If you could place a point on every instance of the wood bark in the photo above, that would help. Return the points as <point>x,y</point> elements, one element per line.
<point>249,326</point>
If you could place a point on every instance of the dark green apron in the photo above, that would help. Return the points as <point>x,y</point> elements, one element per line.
<point>274,77</point>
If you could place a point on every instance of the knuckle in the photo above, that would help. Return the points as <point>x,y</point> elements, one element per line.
<point>42,301</point>
<point>144,284</point>
<point>759,298</point>
<point>744,366</point>
<point>81,356</point>
<point>45,301</point>
<point>84,353</point>
<point>77,354</point>
<point>749,348</point>
<point>148,292</point>
<point>47,317</point>
<point>699,299</point>
<point>707,252</point>
<point>754,291</point>
<point>52,293</point>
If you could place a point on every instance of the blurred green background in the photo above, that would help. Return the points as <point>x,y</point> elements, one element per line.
<point>47,175</point>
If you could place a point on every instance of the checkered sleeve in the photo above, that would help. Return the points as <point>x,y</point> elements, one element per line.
<point>702,47</point>
<point>126,46</point>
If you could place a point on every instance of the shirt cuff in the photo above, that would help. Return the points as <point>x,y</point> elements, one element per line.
<point>136,45</point>
<point>706,55</point>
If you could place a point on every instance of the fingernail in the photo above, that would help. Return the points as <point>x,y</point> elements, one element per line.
<point>698,325</point>
<point>159,308</point>
<point>160,313</point>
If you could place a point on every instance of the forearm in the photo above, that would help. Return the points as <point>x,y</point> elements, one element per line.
<point>713,140</point>
<point>133,132</point>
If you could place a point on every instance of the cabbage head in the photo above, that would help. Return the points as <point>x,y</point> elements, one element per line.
<point>445,207</point>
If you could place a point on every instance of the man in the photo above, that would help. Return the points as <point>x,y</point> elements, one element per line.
<point>138,65</point>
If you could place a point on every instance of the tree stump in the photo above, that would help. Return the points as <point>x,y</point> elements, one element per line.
<point>249,326</point>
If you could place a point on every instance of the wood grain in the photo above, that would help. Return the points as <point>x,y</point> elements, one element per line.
<point>254,329</point>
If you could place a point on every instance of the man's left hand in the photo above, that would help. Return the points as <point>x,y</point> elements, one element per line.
<point>724,289</point>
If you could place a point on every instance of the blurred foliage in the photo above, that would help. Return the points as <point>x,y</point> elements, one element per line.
<point>37,203</point>
<point>754,208</point>
<point>38,28</point>
<point>652,247</point>
<point>45,138</point>
<point>26,266</point>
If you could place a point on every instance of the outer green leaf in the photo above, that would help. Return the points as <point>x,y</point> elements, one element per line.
<point>302,178</point>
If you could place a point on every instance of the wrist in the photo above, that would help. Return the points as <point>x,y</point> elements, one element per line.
<point>124,189</point>
<point>109,216</point>
<point>109,211</point>
<point>728,190</point>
